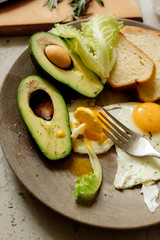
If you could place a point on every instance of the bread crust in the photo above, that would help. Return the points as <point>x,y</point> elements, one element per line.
<point>138,29</point>
<point>135,82</point>
<point>142,92</point>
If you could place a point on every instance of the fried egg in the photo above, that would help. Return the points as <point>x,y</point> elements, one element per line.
<point>143,118</point>
<point>85,126</point>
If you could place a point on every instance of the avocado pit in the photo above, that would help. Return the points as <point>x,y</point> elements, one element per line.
<point>74,75</point>
<point>58,56</point>
<point>41,104</point>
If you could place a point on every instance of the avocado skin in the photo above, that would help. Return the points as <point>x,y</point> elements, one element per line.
<point>63,79</point>
<point>43,131</point>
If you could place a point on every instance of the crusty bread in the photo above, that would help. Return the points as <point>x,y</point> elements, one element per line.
<point>149,42</point>
<point>133,66</point>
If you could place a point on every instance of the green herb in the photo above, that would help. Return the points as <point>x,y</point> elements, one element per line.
<point>78,6</point>
<point>52,3</point>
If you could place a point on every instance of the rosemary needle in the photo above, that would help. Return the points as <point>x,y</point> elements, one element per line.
<point>52,3</point>
<point>78,6</point>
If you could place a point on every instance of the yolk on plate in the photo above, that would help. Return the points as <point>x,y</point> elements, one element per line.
<point>147,117</point>
<point>93,130</point>
<point>79,166</point>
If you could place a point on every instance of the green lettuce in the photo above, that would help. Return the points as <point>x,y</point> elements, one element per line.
<point>88,184</point>
<point>94,43</point>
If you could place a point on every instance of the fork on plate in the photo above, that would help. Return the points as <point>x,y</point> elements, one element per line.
<point>125,138</point>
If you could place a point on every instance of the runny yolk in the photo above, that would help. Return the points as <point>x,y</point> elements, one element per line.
<point>93,130</point>
<point>147,117</point>
<point>79,166</point>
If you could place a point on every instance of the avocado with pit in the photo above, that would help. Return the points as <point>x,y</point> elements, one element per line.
<point>77,76</point>
<point>45,113</point>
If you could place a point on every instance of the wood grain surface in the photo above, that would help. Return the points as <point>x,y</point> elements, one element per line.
<point>29,16</point>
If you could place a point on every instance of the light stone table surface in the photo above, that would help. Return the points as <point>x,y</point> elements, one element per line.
<point>24,217</point>
<point>147,8</point>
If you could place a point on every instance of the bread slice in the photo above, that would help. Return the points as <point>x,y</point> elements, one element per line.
<point>133,66</point>
<point>149,42</point>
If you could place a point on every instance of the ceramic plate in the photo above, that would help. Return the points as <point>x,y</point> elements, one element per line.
<point>50,181</point>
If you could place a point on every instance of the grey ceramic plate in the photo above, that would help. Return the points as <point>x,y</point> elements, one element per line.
<point>49,181</point>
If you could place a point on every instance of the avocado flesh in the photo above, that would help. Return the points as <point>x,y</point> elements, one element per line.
<point>78,77</point>
<point>43,131</point>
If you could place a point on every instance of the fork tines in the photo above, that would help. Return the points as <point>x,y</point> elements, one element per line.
<point>116,131</point>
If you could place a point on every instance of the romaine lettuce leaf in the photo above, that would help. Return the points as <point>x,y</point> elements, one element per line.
<point>94,43</point>
<point>88,184</point>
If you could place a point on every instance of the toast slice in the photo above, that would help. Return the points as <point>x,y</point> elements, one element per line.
<point>132,68</point>
<point>149,42</point>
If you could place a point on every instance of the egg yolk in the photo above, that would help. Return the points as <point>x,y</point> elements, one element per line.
<point>93,130</point>
<point>147,117</point>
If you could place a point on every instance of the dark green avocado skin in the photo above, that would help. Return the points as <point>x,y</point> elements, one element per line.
<point>45,132</point>
<point>77,79</point>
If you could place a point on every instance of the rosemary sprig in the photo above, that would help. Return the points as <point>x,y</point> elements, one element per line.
<point>100,2</point>
<point>52,3</point>
<point>78,6</point>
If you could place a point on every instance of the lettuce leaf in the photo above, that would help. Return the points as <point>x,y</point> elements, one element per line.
<point>94,43</point>
<point>88,184</point>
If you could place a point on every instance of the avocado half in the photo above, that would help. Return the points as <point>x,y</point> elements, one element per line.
<point>77,77</point>
<point>45,113</point>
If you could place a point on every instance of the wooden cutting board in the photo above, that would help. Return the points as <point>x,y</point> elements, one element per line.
<point>24,17</point>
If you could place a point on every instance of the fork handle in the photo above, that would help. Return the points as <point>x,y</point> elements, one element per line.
<point>154,153</point>
<point>144,148</point>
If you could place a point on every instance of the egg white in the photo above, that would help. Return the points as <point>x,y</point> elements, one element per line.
<point>77,130</point>
<point>133,170</point>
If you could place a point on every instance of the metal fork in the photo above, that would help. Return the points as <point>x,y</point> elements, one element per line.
<point>125,138</point>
